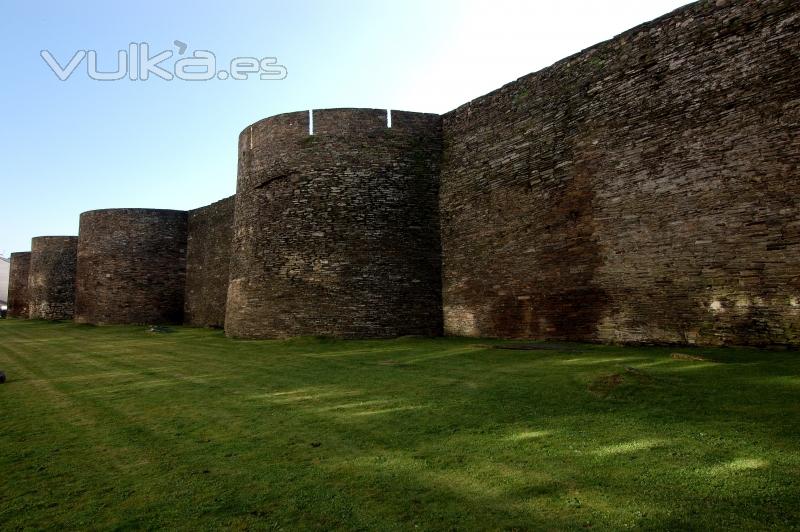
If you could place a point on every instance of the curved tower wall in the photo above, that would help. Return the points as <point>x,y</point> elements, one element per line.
<point>131,266</point>
<point>337,234</point>
<point>51,279</point>
<point>208,256</point>
<point>18,285</point>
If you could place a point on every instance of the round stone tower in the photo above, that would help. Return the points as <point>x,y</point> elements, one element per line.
<point>20,268</point>
<point>336,233</point>
<point>51,280</point>
<point>131,266</point>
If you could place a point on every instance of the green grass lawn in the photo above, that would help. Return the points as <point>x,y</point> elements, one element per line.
<point>115,427</point>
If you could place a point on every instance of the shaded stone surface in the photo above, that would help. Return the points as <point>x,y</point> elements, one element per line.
<point>643,190</point>
<point>337,234</point>
<point>51,279</point>
<point>18,285</point>
<point>208,255</point>
<point>131,266</point>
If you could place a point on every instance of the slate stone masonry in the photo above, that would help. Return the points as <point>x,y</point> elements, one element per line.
<point>18,302</point>
<point>337,234</point>
<point>51,278</point>
<point>131,266</point>
<point>646,189</point>
<point>208,252</point>
<point>643,190</point>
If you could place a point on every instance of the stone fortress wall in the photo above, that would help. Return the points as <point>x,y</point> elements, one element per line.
<point>336,233</point>
<point>643,190</point>
<point>51,277</point>
<point>18,284</point>
<point>208,247</point>
<point>131,266</point>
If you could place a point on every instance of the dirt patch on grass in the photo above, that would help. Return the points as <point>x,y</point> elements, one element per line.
<point>684,356</point>
<point>638,374</point>
<point>535,347</point>
<point>604,385</point>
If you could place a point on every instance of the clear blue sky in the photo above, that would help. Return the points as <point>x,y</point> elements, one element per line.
<point>67,147</point>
